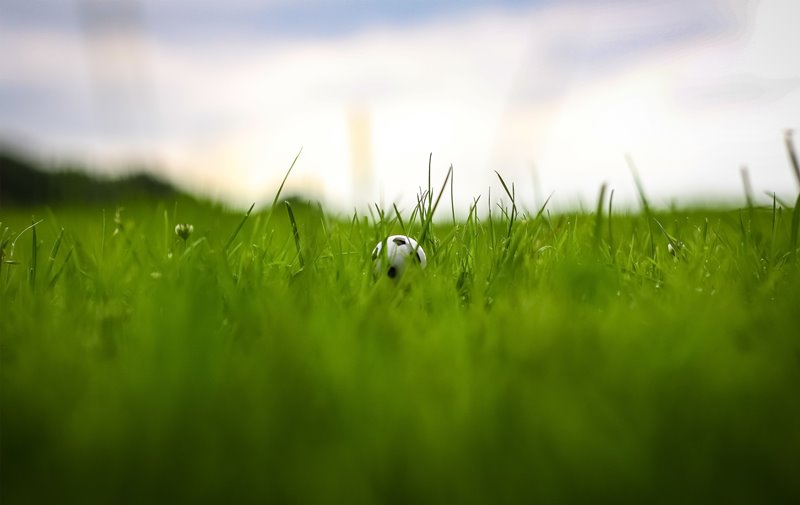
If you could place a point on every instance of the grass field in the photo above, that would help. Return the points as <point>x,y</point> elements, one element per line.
<point>543,358</point>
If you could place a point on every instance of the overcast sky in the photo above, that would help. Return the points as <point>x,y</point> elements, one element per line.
<point>220,96</point>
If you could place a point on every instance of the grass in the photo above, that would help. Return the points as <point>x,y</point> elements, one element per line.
<point>537,359</point>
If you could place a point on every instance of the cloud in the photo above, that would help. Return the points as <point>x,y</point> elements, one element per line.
<point>691,89</point>
<point>271,19</point>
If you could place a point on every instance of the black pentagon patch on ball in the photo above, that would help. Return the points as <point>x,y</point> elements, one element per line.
<point>392,272</point>
<point>399,241</point>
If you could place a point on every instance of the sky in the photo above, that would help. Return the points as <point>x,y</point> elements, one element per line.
<point>219,97</point>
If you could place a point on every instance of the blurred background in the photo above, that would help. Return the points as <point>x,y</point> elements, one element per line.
<point>218,97</point>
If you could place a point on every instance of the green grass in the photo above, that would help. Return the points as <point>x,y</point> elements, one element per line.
<point>540,358</point>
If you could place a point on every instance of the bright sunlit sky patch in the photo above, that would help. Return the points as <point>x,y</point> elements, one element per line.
<point>220,96</point>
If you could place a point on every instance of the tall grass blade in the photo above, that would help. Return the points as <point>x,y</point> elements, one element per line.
<point>3,244</point>
<point>285,177</point>
<point>645,203</point>
<point>399,218</point>
<point>34,255</point>
<point>748,188</point>
<point>512,217</point>
<point>780,200</point>
<point>795,224</point>
<point>430,187</point>
<point>610,233</point>
<point>58,273</point>
<point>295,234</point>
<point>54,251</point>
<point>14,243</point>
<point>418,210</point>
<point>505,186</point>
<point>675,246</point>
<point>491,220</point>
<point>238,227</point>
<point>787,138</point>
<point>638,182</point>
<point>167,234</point>
<point>452,200</point>
<point>103,238</point>
<point>432,209</point>
<point>193,245</point>
<point>598,214</point>
<point>543,207</point>
<point>280,190</point>
<point>774,208</point>
<point>10,261</point>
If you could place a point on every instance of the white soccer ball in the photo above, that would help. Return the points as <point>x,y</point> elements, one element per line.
<point>400,252</point>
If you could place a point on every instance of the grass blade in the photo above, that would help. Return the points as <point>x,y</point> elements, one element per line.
<point>674,244</point>
<point>610,233</point>
<point>748,188</point>
<point>543,207</point>
<point>505,187</point>
<point>239,227</point>
<point>598,215</point>
<point>795,224</point>
<point>774,208</point>
<point>645,203</point>
<point>399,219</point>
<point>787,138</point>
<point>283,182</point>
<point>3,244</point>
<point>430,188</point>
<point>103,237</point>
<point>452,201</point>
<point>780,200</point>
<point>427,224</point>
<point>773,229</point>
<point>10,260</point>
<point>14,243</point>
<point>167,235</point>
<point>295,233</point>
<point>60,270</point>
<point>512,217</point>
<point>34,254</point>
<point>54,251</point>
<point>638,182</point>
<point>280,189</point>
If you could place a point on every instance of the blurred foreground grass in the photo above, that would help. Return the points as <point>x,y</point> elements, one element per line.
<point>565,358</point>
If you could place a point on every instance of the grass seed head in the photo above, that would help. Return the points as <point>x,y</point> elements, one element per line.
<point>184,231</point>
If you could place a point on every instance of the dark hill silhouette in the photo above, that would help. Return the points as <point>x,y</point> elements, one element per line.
<point>24,182</point>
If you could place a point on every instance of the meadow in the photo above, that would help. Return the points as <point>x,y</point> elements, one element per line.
<point>606,355</point>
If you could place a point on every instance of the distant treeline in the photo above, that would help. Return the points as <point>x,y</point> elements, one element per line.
<point>25,182</point>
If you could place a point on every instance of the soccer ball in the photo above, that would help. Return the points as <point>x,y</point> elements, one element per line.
<point>400,251</point>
